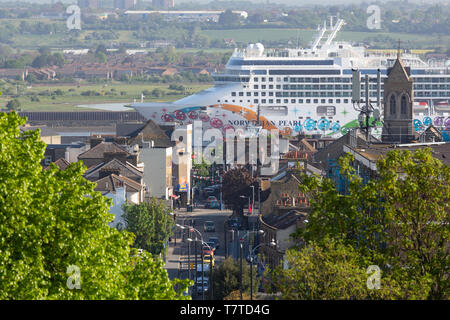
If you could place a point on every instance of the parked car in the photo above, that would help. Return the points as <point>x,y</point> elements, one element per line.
<point>214,240</point>
<point>209,226</point>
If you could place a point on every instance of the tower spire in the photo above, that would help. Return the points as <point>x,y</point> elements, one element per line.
<point>399,53</point>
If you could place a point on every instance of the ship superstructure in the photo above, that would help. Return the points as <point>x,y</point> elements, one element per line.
<point>304,90</point>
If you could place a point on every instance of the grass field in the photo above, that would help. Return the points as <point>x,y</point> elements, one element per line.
<point>69,100</point>
<point>305,36</point>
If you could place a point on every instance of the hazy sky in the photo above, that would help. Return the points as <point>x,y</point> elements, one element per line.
<point>290,2</point>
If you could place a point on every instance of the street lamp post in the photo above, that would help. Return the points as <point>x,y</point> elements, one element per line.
<point>253,198</point>
<point>165,234</point>
<point>240,254</point>
<point>210,263</point>
<point>240,279</point>
<point>272,243</point>
<point>189,259</point>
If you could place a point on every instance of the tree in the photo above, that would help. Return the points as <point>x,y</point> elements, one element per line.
<point>101,48</point>
<point>53,219</point>
<point>101,57</point>
<point>151,223</point>
<point>5,51</point>
<point>157,92</point>
<point>226,279</point>
<point>398,220</point>
<point>44,51</point>
<point>13,104</point>
<point>40,61</point>
<point>236,183</point>
<point>332,271</point>
<point>228,18</point>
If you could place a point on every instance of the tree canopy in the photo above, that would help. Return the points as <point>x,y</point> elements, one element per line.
<point>151,223</point>
<point>53,222</point>
<point>235,184</point>
<point>226,278</point>
<point>397,221</point>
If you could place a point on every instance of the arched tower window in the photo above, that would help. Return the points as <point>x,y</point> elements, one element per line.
<point>403,105</point>
<point>392,104</point>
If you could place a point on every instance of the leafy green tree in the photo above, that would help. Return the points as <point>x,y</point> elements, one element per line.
<point>334,271</point>
<point>53,219</point>
<point>226,278</point>
<point>151,223</point>
<point>398,220</point>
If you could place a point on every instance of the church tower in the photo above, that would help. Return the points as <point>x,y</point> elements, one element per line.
<point>398,104</point>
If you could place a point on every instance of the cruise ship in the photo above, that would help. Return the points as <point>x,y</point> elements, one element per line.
<point>305,91</point>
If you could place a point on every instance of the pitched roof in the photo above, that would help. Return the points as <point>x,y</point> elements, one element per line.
<point>398,71</point>
<point>99,150</point>
<point>284,221</point>
<point>113,181</point>
<point>62,163</point>
<point>126,170</point>
<point>307,145</point>
<point>440,150</point>
<point>151,131</point>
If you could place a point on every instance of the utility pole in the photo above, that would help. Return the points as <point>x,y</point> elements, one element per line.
<point>195,249</point>
<point>203,283</point>
<point>251,276</point>
<point>240,279</point>
<point>189,258</point>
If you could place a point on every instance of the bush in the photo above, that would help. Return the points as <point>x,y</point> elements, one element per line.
<point>13,104</point>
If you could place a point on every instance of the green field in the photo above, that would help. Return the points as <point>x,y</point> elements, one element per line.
<point>69,100</point>
<point>305,36</point>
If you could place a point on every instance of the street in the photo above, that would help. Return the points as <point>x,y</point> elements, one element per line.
<point>181,252</point>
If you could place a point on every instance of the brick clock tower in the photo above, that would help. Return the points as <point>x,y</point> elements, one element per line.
<point>398,104</point>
